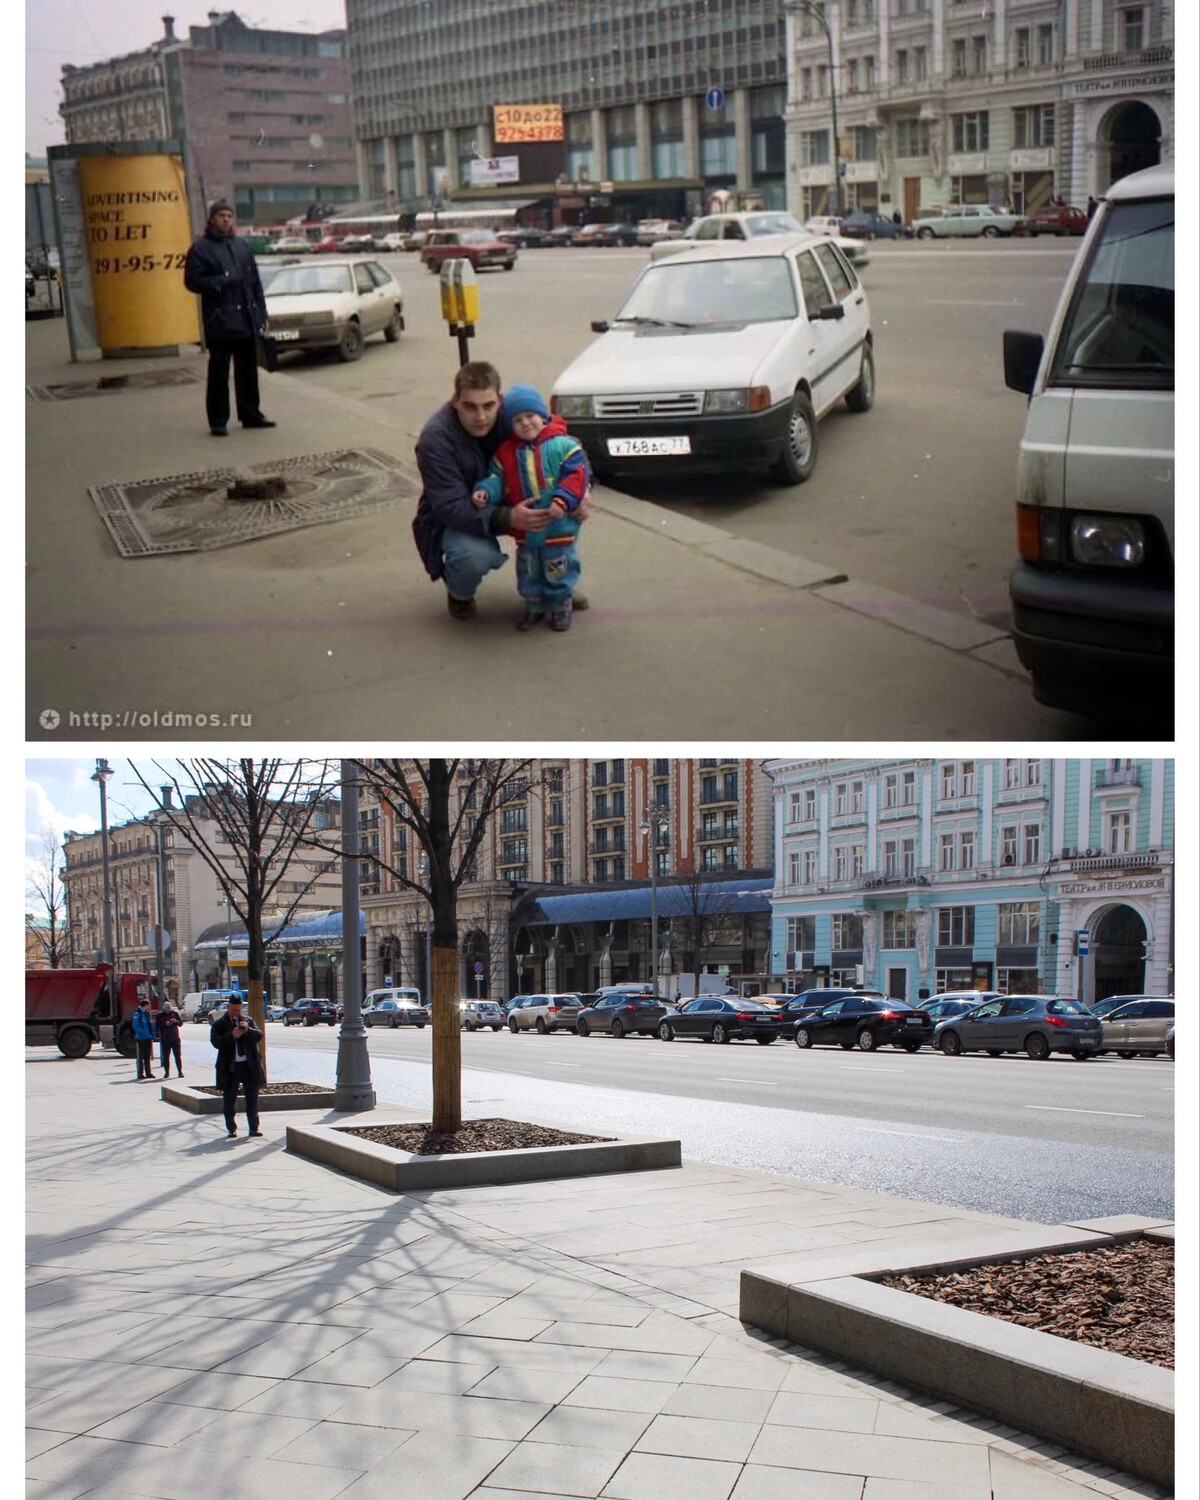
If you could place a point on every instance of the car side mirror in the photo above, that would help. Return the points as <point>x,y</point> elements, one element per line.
<point>1022,357</point>
<point>831,314</point>
<point>599,325</point>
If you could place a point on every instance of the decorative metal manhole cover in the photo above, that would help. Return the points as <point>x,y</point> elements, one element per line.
<point>106,385</point>
<point>193,513</point>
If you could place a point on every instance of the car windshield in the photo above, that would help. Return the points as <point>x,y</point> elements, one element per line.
<point>686,292</point>
<point>1120,327</point>
<point>1066,1008</point>
<point>475,237</point>
<point>299,281</point>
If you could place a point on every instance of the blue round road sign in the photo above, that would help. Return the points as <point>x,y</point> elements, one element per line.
<point>715,98</point>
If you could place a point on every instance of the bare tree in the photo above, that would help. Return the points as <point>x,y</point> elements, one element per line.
<point>700,914</point>
<point>447,806</point>
<point>44,884</point>
<point>264,813</point>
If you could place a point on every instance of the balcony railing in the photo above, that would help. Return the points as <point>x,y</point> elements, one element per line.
<point>1127,776</point>
<point>1097,864</point>
<point>1148,58</point>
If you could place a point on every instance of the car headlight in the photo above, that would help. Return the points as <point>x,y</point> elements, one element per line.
<point>571,406</point>
<point>1108,541</point>
<point>755,398</point>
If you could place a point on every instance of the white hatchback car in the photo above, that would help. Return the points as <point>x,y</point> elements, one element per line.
<point>756,225</point>
<point>724,358</point>
<point>332,303</point>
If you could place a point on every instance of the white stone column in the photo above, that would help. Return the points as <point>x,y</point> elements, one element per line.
<point>420,165</point>
<point>361,168</point>
<point>691,136</point>
<point>641,116</point>
<point>741,131</point>
<point>450,153</point>
<point>599,145</point>
<point>391,170</point>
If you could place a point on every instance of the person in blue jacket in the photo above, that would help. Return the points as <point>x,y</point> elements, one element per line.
<point>143,1036</point>
<point>222,269</point>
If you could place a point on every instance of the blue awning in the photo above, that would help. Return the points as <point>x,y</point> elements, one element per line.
<point>724,897</point>
<point>313,929</point>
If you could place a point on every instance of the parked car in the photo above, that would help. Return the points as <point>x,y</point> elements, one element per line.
<point>479,246</point>
<point>650,231</point>
<point>865,1022</point>
<point>1034,1024</point>
<point>1114,1002</point>
<point>944,1007</point>
<point>1054,220</point>
<point>621,1014</point>
<point>1093,591</point>
<point>393,241</point>
<point>972,997</point>
<point>311,1012</point>
<point>525,237</point>
<point>395,1013</point>
<point>274,1012</point>
<point>336,304</point>
<point>474,1015</point>
<point>605,234</point>
<point>290,244</point>
<point>415,240</point>
<point>542,1013</point>
<point>210,1010</point>
<point>751,226</point>
<point>719,1019</point>
<point>1140,1027</point>
<point>823,224</point>
<point>355,243</point>
<point>405,992</point>
<point>862,224</point>
<point>724,358</point>
<point>1169,1041</point>
<point>560,238</point>
<point>329,244</point>
<point>807,1002</point>
<point>965,221</point>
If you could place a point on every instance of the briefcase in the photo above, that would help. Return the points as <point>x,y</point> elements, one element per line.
<point>266,351</point>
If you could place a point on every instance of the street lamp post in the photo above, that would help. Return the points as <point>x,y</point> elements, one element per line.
<point>816,12</point>
<point>101,777</point>
<point>354,1090</point>
<point>651,825</point>
<point>161,820</point>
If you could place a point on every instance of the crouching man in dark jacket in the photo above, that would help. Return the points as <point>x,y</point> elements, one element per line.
<point>222,269</point>
<point>239,1066</point>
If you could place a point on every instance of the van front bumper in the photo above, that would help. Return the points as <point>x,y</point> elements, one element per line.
<point>738,441</point>
<point>1095,643</point>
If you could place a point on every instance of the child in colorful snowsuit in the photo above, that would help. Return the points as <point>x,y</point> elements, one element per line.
<point>540,463</point>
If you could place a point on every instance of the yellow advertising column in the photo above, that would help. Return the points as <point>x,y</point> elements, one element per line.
<point>135,213</point>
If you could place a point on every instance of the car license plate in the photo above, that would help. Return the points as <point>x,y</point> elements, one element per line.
<point>648,447</point>
<point>912,1020</point>
<point>284,334</point>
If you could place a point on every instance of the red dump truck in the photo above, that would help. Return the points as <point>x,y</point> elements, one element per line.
<point>72,1009</point>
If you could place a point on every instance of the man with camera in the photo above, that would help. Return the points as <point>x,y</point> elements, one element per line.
<point>236,1038</point>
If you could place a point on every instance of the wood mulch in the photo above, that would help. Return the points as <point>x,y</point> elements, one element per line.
<point>1120,1298</point>
<point>275,1088</point>
<point>472,1135</point>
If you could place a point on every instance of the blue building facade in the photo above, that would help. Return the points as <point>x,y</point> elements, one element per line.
<point>919,876</point>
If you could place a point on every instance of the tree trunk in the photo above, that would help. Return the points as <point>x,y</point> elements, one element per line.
<point>447,1041</point>
<point>259,1017</point>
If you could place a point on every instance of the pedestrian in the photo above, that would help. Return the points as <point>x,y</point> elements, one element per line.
<point>168,1038</point>
<point>143,1036</point>
<point>540,465</point>
<point>1092,206</point>
<point>239,1066</point>
<point>457,542</point>
<point>221,267</point>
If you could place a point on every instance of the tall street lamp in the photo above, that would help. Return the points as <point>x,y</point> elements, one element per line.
<point>101,776</point>
<point>161,822</point>
<point>652,825</point>
<point>815,10</point>
<point>354,1090</point>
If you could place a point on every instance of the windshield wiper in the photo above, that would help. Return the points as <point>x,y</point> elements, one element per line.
<point>655,322</point>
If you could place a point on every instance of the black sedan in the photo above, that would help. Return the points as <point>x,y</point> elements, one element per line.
<point>862,225</point>
<point>795,1007</point>
<point>526,238</point>
<point>605,234</point>
<point>311,1013</point>
<point>865,1022</point>
<point>722,1020</point>
<point>619,1015</point>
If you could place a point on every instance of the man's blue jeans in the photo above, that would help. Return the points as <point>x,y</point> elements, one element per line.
<point>467,560</point>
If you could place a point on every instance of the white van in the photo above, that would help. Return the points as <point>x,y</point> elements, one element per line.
<point>189,1005</point>
<point>1094,591</point>
<point>411,995</point>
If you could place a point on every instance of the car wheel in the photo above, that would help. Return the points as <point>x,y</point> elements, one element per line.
<point>432,266</point>
<point>912,1046</point>
<point>496,1028</point>
<point>540,1026</point>
<point>75,1043</point>
<point>512,1026</point>
<point>1125,1054</point>
<point>870,236</point>
<point>366,1020</point>
<point>925,234</point>
<point>950,1043</point>
<point>351,346</point>
<point>799,457</point>
<point>617,1028</point>
<point>866,1039</point>
<point>1081,1056</point>
<point>861,397</point>
<point>720,1034</point>
<point>395,326</point>
<point>846,1046</point>
<point>509,265</point>
<point>1037,1047</point>
<point>666,1032</point>
<point>803,1037</point>
<point>582,1028</point>
<point>990,231</point>
<point>393,1023</point>
<point>764,1041</point>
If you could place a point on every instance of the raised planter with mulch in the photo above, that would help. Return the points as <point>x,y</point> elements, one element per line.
<point>205,1099</point>
<point>400,1151</point>
<point>934,1327</point>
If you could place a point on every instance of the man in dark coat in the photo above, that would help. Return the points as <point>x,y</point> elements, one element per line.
<point>222,269</point>
<point>239,1066</point>
<point>454,452</point>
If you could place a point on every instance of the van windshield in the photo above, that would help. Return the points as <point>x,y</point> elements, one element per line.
<point>1120,328</point>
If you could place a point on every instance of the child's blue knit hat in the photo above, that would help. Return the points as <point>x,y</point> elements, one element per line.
<point>519,398</point>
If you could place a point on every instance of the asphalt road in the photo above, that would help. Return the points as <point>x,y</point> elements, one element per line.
<point>1049,1142</point>
<point>916,497</point>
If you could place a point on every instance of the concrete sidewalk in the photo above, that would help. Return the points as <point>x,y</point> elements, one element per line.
<point>335,631</point>
<point>214,1319</point>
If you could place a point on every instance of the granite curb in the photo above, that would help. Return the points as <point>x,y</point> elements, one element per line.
<point>197,1102</point>
<point>1107,1406</point>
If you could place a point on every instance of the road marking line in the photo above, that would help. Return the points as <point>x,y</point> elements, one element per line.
<point>847,1067</point>
<point>1061,1109</point>
<point>941,302</point>
<point>919,1135</point>
<point>765,1082</point>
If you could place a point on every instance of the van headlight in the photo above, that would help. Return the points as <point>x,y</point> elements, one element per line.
<point>1108,541</point>
<point>571,406</point>
<point>756,398</point>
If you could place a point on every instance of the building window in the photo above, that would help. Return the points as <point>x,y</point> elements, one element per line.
<point>948,781</point>
<point>946,852</point>
<point>841,795</point>
<point>908,851</point>
<point>858,859</point>
<point>920,64</point>
<point>794,869</point>
<point>899,929</point>
<point>978,55</point>
<point>794,805</point>
<point>912,137</point>
<point>846,931</point>
<point>1033,773</point>
<point>891,791</point>
<point>891,857</point>
<point>966,849</point>
<point>1045,46</point>
<point>1033,843</point>
<point>1012,775</point>
<point>814,147</point>
<point>857,802</point>
<point>970,131</point>
<point>1008,846</point>
<point>806,89</point>
<point>810,866</point>
<point>902,66</point>
<point>967,785</point>
<point>841,862</point>
<point>556,874</point>
<point>1117,832</point>
<point>852,76</point>
<point>810,803</point>
<point>958,64</point>
<point>956,926</point>
<point>1019,923</point>
<point>909,788</point>
<point>1133,28</point>
<point>801,933</point>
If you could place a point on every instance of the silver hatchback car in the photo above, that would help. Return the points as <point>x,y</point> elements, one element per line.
<point>1034,1024</point>
<point>544,1013</point>
<point>1139,1027</point>
<point>474,1015</point>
